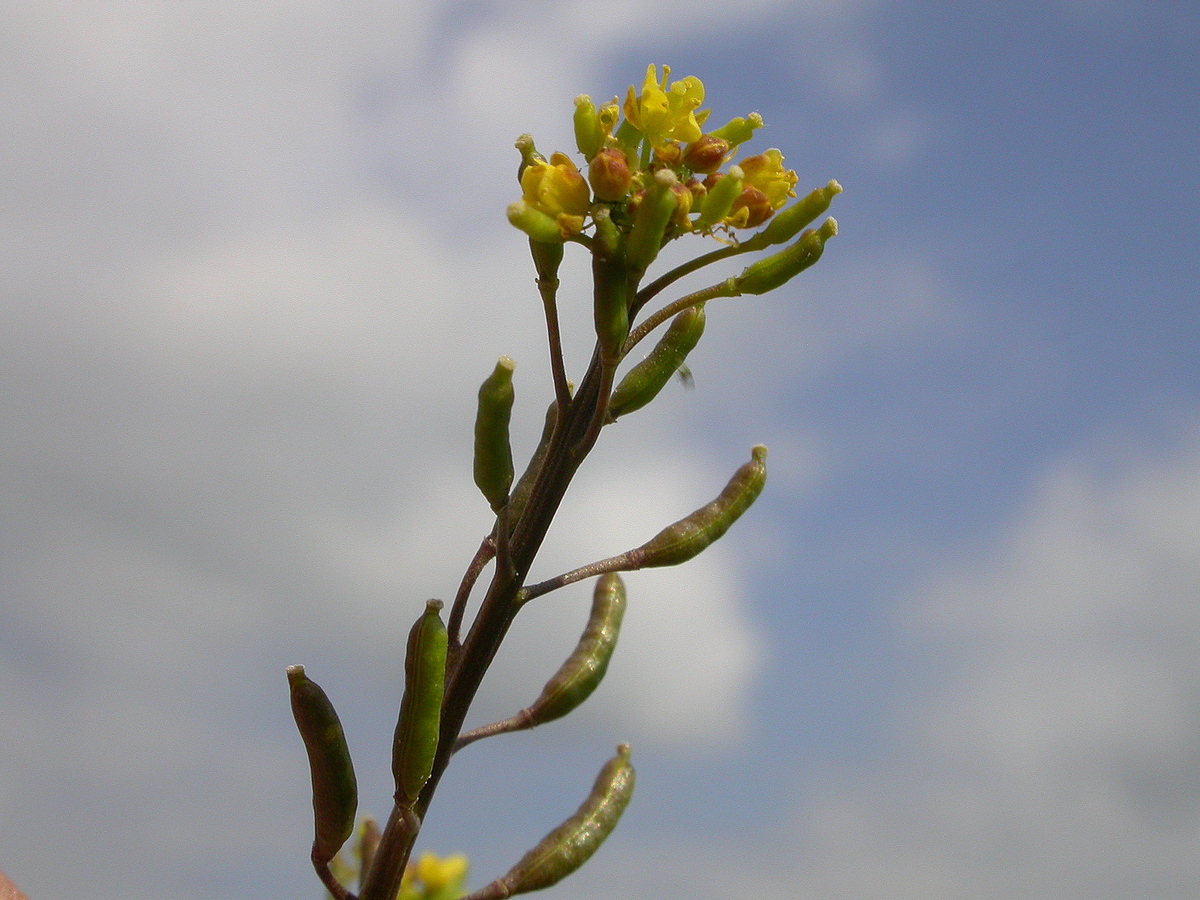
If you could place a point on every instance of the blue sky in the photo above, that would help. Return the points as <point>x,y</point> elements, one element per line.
<point>255,267</point>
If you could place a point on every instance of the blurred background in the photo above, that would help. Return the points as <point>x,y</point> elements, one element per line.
<point>255,265</point>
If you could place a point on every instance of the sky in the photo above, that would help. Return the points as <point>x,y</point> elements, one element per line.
<point>255,266</point>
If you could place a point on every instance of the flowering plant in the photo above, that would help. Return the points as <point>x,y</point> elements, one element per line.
<point>653,175</point>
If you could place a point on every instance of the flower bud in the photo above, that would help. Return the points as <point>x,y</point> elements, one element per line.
<point>776,270</point>
<point>707,154</point>
<point>751,208</point>
<point>787,224</point>
<point>535,223</point>
<point>609,174</point>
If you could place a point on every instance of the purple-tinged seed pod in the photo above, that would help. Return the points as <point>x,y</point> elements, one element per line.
<point>644,381</point>
<point>573,842</point>
<point>684,539</point>
<point>580,675</point>
<point>334,786</point>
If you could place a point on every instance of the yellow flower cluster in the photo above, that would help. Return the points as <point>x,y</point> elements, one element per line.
<point>663,129</point>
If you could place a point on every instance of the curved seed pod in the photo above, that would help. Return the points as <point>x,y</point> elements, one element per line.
<point>681,541</point>
<point>334,787</point>
<point>610,278</point>
<point>580,675</point>
<point>417,728</point>
<point>651,219</point>
<point>642,383</point>
<point>493,454</point>
<point>573,842</point>
<point>776,270</point>
<point>786,225</point>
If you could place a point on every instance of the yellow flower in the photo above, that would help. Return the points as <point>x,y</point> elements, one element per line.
<point>557,189</point>
<point>439,874</point>
<point>766,173</point>
<point>666,112</point>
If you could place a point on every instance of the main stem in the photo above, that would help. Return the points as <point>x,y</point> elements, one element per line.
<point>571,444</point>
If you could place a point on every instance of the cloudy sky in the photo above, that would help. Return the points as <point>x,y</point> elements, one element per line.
<point>255,264</point>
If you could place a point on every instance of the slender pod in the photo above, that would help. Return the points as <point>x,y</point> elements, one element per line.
<point>779,268</point>
<point>580,675</point>
<point>643,382</point>
<point>334,787</point>
<point>719,199</point>
<point>651,219</point>
<point>493,466</point>
<point>610,279</point>
<point>573,842</point>
<point>416,739</point>
<point>684,539</point>
<point>524,486</point>
<point>786,225</point>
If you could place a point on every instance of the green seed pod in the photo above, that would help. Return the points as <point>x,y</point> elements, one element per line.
<point>739,130</point>
<point>493,454</point>
<point>334,787</point>
<point>610,278</point>
<point>580,675</point>
<point>719,199</point>
<point>787,224</point>
<point>573,842</point>
<point>524,486</point>
<point>651,219</point>
<point>420,719</point>
<point>681,541</point>
<point>529,154</point>
<point>776,270</point>
<point>642,383</point>
<point>588,135</point>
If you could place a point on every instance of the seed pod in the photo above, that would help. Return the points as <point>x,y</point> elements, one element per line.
<point>642,383</point>
<point>524,486</point>
<point>334,787</point>
<point>588,135</point>
<point>573,842</point>
<point>787,224</point>
<point>651,219</point>
<point>610,279</point>
<point>580,675</point>
<point>776,270</point>
<point>529,154</point>
<point>720,197</point>
<point>681,541</point>
<point>546,258</point>
<point>416,739</point>
<point>493,454</point>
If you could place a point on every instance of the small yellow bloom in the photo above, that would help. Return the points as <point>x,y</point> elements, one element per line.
<point>666,112</point>
<point>766,173</point>
<point>557,189</point>
<point>440,874</point>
